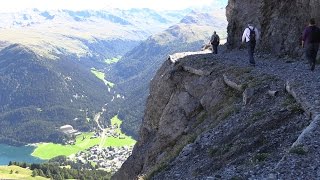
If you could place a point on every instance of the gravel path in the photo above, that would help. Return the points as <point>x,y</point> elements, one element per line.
<point>293,70</point>
<point>307,88</point>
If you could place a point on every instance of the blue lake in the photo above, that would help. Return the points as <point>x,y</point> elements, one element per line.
<point>20,154</point>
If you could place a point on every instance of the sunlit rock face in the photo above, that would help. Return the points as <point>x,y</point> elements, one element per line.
<point>280,22</point>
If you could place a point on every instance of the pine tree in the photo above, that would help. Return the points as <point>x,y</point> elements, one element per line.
<point>41,173</point>
<point>10,163</point>
<point>34,166</point>
<point>35,173</point>
<point>24,165</point>
<point>48,173</point>
<point>57,177</point>
<point>67,175</point>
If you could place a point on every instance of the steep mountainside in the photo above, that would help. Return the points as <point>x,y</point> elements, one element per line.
<point>212,117</point>
<point>280,22</point>
<point>38,95</point>
<point>137,67</point>
<point>46,59</point>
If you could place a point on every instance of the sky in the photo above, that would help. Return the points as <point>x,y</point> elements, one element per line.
<point>17,5</point>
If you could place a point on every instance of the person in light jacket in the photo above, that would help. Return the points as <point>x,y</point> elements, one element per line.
<point>250,37</point>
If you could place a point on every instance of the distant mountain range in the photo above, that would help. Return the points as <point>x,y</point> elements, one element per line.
<point>50,33</point>
<point>46,59</point>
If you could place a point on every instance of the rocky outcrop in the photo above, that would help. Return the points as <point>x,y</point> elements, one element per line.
<point>203,113</point>
<point>173,108</point>
<point>280,22</point>
<point>213,117</point>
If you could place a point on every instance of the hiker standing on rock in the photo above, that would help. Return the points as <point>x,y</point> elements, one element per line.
<point>310,41</point>
<point>215,41</point>
<point>250,37</point>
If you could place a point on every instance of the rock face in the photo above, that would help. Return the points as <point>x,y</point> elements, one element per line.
<point>212,117</point>
<point>173,108</point>
<point>197,126</point>
<point>136,69</point>
<point>280,22</point>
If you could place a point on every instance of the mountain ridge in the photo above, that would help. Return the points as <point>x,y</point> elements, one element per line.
<point>79,30</point>
<point>41,93</point>
<point>137,67</point>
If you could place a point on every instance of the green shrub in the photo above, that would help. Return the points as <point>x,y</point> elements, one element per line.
<point>219,151</point>
<point>236,178</point>
<point>300,150</point>
<point>260,157</point>
<point>213,151</point>
<point>258,115</point>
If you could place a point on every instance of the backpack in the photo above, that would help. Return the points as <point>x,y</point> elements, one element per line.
<point>215,39</point>
<point>252,36</point>
<point>314,35</point>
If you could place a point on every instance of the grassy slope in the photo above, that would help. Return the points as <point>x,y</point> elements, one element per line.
<point>113,60</point>
<point>50,150</point>
<point>23,173</point>
<point>116,121</point>
<point>101,76</point>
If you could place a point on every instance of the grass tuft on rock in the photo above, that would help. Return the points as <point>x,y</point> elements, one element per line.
<point>300,150</point>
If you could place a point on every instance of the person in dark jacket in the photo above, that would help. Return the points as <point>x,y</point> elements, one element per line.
<point>215,41</point>
<point>311,41</point>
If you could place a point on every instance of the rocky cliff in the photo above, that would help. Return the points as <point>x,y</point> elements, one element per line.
<point>280,22</point>
<point>212,117</point>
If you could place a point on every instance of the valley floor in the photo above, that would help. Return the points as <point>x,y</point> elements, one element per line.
<point>106,150</point>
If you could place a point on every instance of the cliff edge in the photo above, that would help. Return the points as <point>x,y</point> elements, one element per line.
<point>212,116</point>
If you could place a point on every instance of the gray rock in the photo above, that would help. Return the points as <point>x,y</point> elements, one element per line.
<point>247,95</point>
<point>231,140</point>
<point>271,17</point>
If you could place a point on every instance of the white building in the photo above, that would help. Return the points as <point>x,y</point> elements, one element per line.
<point>68,129</point>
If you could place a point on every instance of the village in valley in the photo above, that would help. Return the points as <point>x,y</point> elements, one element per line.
<point>109,158</point>
<point>100,156</point>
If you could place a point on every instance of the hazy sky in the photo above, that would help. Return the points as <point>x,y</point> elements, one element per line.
<point>16,5</point>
